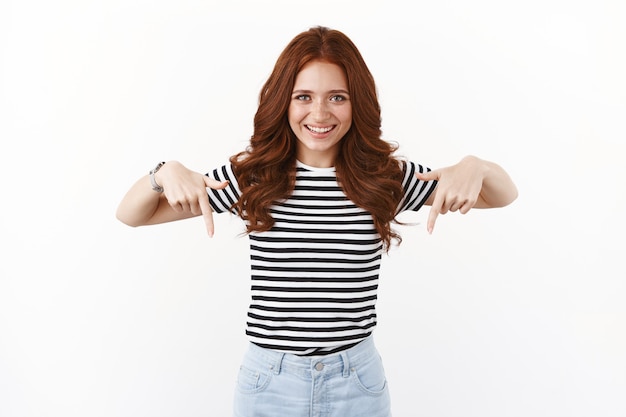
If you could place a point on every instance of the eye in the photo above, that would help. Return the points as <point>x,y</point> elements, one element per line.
<point>338,98</point>
<point>302,97</point>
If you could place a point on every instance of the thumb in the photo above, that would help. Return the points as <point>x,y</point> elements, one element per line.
<point>429,175</point>
<point>214,184</point>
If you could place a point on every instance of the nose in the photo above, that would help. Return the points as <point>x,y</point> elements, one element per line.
<point>319,111</point>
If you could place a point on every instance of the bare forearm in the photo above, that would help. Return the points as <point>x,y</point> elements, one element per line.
<point>139,204</point>
<point>183,195</point>
<point>498,190</point>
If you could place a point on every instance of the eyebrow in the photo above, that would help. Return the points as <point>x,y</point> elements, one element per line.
<point>328,92</point>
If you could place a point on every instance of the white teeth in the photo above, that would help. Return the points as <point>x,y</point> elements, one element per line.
<point>319,129</point>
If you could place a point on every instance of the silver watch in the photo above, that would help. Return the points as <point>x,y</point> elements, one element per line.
<point>156,187</point>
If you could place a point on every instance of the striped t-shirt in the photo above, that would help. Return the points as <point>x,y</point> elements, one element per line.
<point>314,275</point>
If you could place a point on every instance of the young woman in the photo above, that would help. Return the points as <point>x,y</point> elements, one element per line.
<point>318,190</point>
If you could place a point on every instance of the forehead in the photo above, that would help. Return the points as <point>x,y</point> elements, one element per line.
<point>322,73</point>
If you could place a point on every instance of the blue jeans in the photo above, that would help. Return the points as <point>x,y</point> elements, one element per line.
<point>351,383</point>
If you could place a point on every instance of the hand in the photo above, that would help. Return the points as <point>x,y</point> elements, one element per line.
<point>458,188</point>
<point>186,191</point>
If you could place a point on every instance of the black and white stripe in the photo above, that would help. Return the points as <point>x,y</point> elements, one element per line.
<point>315,273</point>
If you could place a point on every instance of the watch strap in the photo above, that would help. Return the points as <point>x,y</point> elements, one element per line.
<point>156,187</point>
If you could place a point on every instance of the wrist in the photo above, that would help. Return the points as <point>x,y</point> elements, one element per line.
<point>153,181</point>
<point>479,165</point>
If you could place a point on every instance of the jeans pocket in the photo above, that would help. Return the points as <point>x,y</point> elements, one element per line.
<point>370,376</point>
<point>251,380</point>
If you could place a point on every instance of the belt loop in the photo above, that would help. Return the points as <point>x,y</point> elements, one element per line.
<point>278,363</point>
<point>346,364</point>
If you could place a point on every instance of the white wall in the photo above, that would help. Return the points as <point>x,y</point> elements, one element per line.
<point>511,312</point>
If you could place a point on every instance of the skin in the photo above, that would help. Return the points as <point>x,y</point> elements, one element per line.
<point>320,113</point>
<point>184,196</point>
<point>471,183</point>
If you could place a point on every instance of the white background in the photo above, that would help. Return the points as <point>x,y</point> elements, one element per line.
<point>512,312</point>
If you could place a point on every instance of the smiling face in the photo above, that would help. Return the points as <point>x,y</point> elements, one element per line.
<point>320,112</point>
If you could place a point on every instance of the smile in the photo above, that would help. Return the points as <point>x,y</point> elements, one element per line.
<point>319,129</point>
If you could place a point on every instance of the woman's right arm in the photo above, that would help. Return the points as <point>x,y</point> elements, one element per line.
<point>184,195</point>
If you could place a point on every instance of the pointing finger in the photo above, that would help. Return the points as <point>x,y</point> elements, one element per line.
<point>205,207</point>
<point>207,214</point>
<point>435,210</point>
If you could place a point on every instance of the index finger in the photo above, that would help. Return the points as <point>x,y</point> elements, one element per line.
<point>205,206</point>
<point>207,214</point>
<point>435,209</point>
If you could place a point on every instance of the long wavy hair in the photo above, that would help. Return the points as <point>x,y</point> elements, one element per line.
<point>366,169</point>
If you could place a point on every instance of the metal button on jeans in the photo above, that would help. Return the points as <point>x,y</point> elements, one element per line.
<point>319,366</point>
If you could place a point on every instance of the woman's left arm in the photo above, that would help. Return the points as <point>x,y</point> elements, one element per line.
<point>471,183</point>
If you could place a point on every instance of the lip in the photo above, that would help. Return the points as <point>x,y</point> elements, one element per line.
<point>319,131</point>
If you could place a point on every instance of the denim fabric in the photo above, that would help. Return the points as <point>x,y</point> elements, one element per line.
<point>351,383</point>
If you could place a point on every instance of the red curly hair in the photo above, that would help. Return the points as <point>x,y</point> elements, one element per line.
<point>366,169</point>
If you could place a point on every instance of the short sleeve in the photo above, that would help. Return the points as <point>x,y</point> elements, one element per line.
<point>416,191</point>
<point>223,200</point>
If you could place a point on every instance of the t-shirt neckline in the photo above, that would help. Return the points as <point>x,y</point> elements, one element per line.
<point>312,168</point>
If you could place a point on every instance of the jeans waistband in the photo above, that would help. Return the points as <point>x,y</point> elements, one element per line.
<point>307,365</point>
